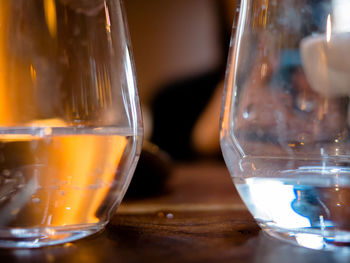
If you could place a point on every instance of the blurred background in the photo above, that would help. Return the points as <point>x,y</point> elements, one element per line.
<point>180,51</point>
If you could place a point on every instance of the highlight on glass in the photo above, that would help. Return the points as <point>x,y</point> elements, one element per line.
<point>285,118</point>
<point>70,124</point>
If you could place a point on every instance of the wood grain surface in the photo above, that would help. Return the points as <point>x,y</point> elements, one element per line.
<point>198,218</point>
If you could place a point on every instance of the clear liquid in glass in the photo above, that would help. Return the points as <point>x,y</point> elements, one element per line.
<point>306,204</point>
<point>57,179</point>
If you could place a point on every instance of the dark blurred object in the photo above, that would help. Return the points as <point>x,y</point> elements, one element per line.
<point>176,109</point>
<point>151,173</point>
<point>179,103</point>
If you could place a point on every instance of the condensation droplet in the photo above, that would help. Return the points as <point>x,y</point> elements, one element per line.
<point>249,112</point>
<point>245,115</point>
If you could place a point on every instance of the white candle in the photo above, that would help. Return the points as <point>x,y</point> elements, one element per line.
<point>326,63</point>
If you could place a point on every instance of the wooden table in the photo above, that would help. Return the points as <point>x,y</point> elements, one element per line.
<point>199,218</point>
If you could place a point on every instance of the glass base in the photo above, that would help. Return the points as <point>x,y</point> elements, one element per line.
<point>40,237</point>
<point>308,239</point>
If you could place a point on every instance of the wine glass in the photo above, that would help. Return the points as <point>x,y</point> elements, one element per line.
<point>70,124</point>
<point>285,118</point>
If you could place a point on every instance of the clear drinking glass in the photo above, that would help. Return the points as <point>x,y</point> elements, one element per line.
<point>70,126</point>
<point>285,118</point>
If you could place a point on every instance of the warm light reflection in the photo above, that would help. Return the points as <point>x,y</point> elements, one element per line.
<point>108,20</point>
<point>75,172</point>
<point>5,114</point>
<point>54,122</point>
<point>263,71</point>
<point>104,89</point>
<point>329,28</point>
<point>50,16</point>
<point>261,9</point>
<point>253,167</point>
<point>84,166</point>
<point>33,73</point>
<point>299,195</point>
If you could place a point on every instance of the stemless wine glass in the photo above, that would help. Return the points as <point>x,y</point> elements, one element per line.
<point>285,118</point>
<point>70,126</point>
